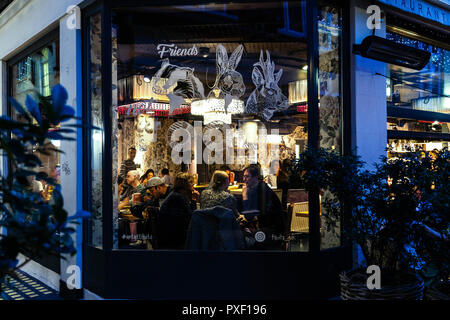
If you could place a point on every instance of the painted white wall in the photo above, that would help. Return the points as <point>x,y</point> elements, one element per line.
<point>21,25</point>
<point>368,92</point>
<point>71,160</point>
<point>27,20</point>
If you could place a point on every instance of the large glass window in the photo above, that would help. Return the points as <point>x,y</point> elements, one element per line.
<point>207,88</point>
<point>427,89</point>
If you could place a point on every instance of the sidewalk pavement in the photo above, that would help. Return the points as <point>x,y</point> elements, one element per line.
<point>21,286</point>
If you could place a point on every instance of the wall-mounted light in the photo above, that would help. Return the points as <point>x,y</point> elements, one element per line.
<point>305,67</point>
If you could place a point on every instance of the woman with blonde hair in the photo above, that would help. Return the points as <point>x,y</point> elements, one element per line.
<point>218,194</point>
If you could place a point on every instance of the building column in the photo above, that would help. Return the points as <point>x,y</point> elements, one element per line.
<point>71,161</point>
<point>368,91</point>
<point>368,97</point>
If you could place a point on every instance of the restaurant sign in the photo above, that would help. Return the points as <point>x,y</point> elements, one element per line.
<point>422,9</point>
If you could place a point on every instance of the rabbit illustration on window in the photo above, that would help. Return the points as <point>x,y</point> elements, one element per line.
<point>267,98</point>
<point>229,83</point>
<point>187,85</point>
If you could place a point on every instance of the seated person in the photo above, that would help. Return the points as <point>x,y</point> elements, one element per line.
<point>158,191</point>
<point>147,176</point>
<point>132,179</point>
<point>258,196</point>
<point>175,213</point>
<point>218,195</point>
<point>166,177</point>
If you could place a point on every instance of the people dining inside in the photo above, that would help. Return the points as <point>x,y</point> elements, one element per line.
<point>172,215</point>
<point>132,179</point>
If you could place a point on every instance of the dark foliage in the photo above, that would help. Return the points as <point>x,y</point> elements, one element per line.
<point>28,224</point>
<point>398,213</point>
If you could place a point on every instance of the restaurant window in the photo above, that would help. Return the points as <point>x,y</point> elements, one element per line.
<point>427,89</point>
<point>201,88</point>
<point>35,74</point>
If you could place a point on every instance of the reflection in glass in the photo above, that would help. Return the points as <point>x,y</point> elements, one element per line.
<point>96,135</point>
<point>330,105</point>
<point>427,89</point>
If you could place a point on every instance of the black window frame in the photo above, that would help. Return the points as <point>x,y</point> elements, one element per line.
<point>108,257</point>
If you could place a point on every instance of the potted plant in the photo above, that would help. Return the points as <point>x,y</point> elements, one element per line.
<point>384,211</point>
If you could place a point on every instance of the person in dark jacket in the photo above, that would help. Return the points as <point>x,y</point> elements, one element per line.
<point>214,228</point>
<point>176,212</point>
<point>259,197</point>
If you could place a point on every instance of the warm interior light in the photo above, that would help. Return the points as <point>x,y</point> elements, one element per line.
<point>305,67</point>
<point>251,131</point>
<point>217,117</point>
<point>147,79</point>
<point>201,107</point>
<point>273,139</point>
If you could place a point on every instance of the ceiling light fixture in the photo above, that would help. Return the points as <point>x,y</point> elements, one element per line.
<point>213,109</point>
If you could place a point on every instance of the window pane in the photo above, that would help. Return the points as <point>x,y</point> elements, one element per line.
<point>35,75</point>
<point>427,89</point>
<point>330,106</point>
<point>96,136</point>
<point>174,75</point>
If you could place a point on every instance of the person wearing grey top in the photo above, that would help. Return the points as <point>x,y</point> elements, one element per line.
<point>218,194</point>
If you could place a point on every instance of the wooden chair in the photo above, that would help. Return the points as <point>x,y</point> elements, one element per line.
<point>299,217</point>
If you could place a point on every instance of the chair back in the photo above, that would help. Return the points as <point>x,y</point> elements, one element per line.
<point>299,217</point>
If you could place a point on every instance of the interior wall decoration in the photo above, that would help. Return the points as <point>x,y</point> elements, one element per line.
<point>267,98</point>
<point>188,86</point>
<point>229,83</point>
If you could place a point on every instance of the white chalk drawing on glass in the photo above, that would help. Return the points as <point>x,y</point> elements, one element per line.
<point>267,98</point>
<point>178,83</point>
<point>229,84</point>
